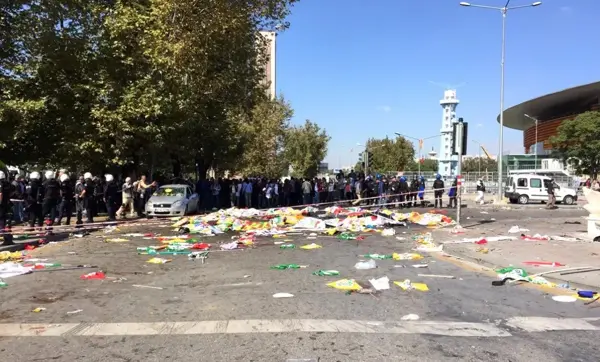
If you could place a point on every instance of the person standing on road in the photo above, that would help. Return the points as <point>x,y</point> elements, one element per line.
<point>79,201</point>
<point>51,197</point>
<point>306,191</point>
<point>110,194</point>
<point>126,198</point>
<point>414,190</point>
<point>66,194</point>
<point>35,192</point>
<point>421,188</point>
<point>452,194</point>
<point>551,186</point>
<point>438,190</point>
<point>480,192</point>
<point>88,197</point>
<point>6,192</point>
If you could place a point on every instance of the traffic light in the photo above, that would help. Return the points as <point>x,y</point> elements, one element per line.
<point>459,134</point>
<point>369,158</point>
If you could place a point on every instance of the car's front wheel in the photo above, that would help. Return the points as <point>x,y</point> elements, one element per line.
<point>569,200</point>
<point>523,199</point>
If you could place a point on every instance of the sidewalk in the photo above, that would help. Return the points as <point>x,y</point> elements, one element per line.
<point>516,252</point>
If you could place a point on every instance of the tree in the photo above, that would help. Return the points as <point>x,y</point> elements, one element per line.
<point>138,83</point>
<point>477,164</point>
<point>426,165</point>
<point>390,154</point>
<point>264,133</point>
<point>578,142</point>
<point>304,148</point>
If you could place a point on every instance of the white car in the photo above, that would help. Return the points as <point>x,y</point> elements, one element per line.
<point>172,200</point>
<point>530,187</point>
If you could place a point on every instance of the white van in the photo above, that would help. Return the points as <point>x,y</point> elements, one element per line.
<point>530,187</point>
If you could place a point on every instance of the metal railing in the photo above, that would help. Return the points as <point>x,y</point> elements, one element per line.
<point>490,180</point>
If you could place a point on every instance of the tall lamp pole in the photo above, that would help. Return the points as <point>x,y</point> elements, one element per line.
<point>503,10</point>
<point>535,146</point>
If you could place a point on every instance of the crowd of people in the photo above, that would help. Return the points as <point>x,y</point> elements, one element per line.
<point>57,196</point>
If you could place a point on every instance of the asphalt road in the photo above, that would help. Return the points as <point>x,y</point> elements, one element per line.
<point>227,311</point>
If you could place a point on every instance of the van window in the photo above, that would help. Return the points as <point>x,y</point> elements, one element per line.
<point>522,182</point>
<point>536,183</point>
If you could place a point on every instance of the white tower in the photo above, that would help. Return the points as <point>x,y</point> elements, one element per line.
<point>446,161</point>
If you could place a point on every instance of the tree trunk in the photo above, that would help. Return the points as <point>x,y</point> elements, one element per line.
<point>176,163</point>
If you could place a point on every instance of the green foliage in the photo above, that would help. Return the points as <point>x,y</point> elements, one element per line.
<point>135,84</point>
<point>477,164</point>
<point>264,133</point>
<point>390,155</point>
<point>305,147</point>
<point>428,165</point>
<point>578,142</point>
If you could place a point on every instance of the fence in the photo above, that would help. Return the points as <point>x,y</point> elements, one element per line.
<point>490,179</point>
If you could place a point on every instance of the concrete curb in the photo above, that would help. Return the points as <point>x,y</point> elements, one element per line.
<point>492,267</point>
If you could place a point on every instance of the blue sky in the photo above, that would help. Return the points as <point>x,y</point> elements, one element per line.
<point>363,68</point>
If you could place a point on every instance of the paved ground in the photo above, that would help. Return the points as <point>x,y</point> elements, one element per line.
<point>224,310</point>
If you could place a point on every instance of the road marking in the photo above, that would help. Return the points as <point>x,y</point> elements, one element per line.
<point>541,324</point>
<point>441,328</point>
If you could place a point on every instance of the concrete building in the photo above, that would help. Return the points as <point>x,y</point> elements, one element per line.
<point>550,110</point>
<point>270,70</point>
<point>446,161</point>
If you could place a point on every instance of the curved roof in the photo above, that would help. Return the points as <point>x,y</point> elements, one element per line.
<point>546,107</point>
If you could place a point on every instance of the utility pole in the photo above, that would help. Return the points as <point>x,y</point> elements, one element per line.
<point>366,161</point>
<point>458,144</point>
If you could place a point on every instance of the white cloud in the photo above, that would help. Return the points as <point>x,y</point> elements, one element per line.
<point>386,109</point>
<point>479,125</point>
<point>566,9</point>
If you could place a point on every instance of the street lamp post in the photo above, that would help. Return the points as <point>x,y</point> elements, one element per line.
<point>420,140</point>
<point>478,156</point>
<point>503,10</point>
<point>535,146</point>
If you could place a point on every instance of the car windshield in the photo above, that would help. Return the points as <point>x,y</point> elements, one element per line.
<point>170,191</point>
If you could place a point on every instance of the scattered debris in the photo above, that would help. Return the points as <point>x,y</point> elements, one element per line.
<point>410,317</point>
<point>75,311</point>
<point>283,295</point>
<point>382,283</point>
<point>437,276</point>
<point>146,286</point>
<point>564,298</point>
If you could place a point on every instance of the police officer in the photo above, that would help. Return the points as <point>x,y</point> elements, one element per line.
<point>89,197</point>
<point>6,191</point>
<point>393,187</point>
<point>438,190</point>
<point>404,189</point>
<point>66,193</point>
<point>414,189</point>
<point>51,197</point>
<point>110,197</point>
<point>79,200</point>
<point>34,196</point>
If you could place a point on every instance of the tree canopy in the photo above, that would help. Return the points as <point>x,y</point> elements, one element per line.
<point>425,165</point>
<point>577,142</point>
<point>477,164</point>
<point>138,84</point>
<point>305,148</point>
<point>389,155</point>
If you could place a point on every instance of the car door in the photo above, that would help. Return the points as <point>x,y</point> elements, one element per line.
<point>192,200</point>
<point>537,189</point>
<point>522,186</point>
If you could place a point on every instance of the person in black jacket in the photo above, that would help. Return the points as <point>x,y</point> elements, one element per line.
<point>110,197</point>
<point>6,192</point>
<point>66,195</point>
<point>33,199</point>
<point>438,190</point>
<point>88,196</point>
<point>404,190</point>
<point>51,197</point>
<point>414,190</point>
